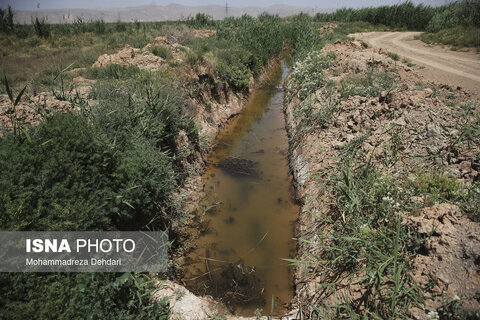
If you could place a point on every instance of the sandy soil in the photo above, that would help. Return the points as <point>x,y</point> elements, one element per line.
<point>441,64</point>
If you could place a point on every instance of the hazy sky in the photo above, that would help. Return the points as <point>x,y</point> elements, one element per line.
<point>55,4</point>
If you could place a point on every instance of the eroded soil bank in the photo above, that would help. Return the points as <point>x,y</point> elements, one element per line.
<point>375,148</point>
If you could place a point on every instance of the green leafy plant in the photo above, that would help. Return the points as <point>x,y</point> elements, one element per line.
<point>77,295</point>
<point>394,56</point>
<point>14,101</point>
<point>162,52</point>
<point>6,20</point>
<point>41,27</point>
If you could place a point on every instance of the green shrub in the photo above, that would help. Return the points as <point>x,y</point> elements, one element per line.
<point>41,27</point>
<point>307,75</point>
<point>79,296</point>
<point>413,17</point>
<point>111,71</point>
<point>366,242</point>
<point>120,26</point>
<point>369,85</point>
<point>201,20</point>
<point>162,52</point>
<point>60,180</point>
<point>99,26</point>
<point>236,76</point>
<point>65,177</point>
<point>301,35</point>
<point>261,37</point>
<point>394,56</point>
<point>459,36</point>
<point>6,20</point>
<point>465,13</point>
<point>404,15</point>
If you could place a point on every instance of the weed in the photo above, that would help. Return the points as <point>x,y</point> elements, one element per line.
<point>13,118</point>
<point>261,37</point>
<point>367,241</point>
<point>237,76</point>
<point>394,56</point>
<point>6,20</point>
<point>111,71</point>
<point>471,204</point>
<point>307,75</point>
<point>162,52</point>
<point>438,187</point>
<point>372,84</point>
<point>453,309</point>
<point>219,316</point>
<point>458,37</point>
<point>42,28</point>
<point>470,131</point>
<point>201,20</point>
<point>102,295</point>
<point>423,86</point>
<point>393,147</point>
<point>408,15</point>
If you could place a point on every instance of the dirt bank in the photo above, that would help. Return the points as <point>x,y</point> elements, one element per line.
<point>441,64</point>
<point>369,111</point>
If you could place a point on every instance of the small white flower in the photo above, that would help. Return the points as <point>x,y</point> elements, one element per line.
<point>396,205</point>
<point>456,298</point>
<point>387,198</point>
<point>433,315</point>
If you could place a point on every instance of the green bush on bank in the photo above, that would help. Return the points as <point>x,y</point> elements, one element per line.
<point>410,16</point>
<point>459,36</point>
<point>79,296</point>
<point>162,52</point>
<point>240,49</point>
<point>201,20</point>
<point>113,168</point>
<point>65,176</point>
<point>404,15</point>
<point>6,20</point>
<point>113,171</point>
<point>262,37</point>
<point>456,23</point>
<point>460,13</point>
<point>307,75</point>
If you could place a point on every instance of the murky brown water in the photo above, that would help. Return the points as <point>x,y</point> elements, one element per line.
<point>249,211</point>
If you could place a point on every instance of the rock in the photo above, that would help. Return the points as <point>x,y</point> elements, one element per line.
<point>434,131</point>
<point>466,166</point>
<point>184,304</point>
<point>428,92</point>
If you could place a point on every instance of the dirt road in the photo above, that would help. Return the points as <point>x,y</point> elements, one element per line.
<point>441,64</point>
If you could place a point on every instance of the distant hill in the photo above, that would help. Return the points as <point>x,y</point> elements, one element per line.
<point>156,13</point>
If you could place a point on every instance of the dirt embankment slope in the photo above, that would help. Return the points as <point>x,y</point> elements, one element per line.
<point>441,64</point>
<point>372,112</point>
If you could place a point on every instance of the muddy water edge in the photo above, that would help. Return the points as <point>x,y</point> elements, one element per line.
<point>247,217</point>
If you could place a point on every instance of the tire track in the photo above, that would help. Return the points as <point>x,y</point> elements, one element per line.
<point>453,68</point>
